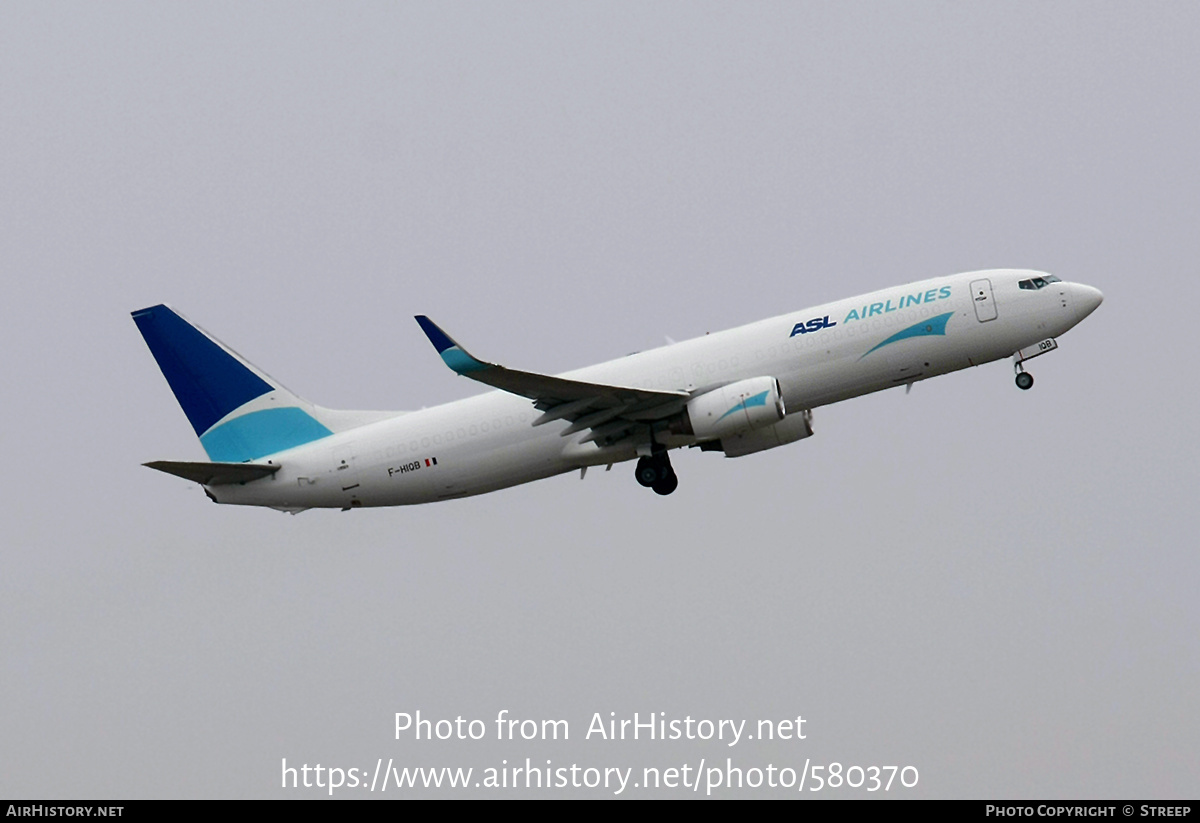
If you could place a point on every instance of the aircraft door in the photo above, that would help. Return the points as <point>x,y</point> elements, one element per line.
<point>985,301</point>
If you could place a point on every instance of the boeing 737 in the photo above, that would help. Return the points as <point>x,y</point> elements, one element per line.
<point>736,392</point>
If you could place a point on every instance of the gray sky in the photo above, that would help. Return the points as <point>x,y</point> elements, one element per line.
<point>995,587</point>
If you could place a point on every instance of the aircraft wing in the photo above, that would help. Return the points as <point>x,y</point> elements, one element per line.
<point>611,412</point>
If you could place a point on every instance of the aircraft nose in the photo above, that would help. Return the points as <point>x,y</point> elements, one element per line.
<point>1089,299</point>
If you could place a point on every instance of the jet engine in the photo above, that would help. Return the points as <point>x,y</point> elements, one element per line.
<point>796,426</point>
<point>737,407</point>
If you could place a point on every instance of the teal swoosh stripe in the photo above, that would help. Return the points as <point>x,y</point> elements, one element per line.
<point>462,362</point>
<point>926,328</point>
<point>759,399</point>
<point>260,433</point>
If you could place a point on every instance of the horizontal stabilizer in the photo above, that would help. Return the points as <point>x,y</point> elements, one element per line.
<point>215,474</point>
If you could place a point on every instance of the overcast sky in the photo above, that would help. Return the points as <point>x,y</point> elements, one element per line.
<point>995,587</point>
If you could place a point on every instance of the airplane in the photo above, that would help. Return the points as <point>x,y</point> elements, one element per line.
<point>736,392</point>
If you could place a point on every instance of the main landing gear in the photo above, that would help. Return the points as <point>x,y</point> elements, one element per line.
<point>655,472</point>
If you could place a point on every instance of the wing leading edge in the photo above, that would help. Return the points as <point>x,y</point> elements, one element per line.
<point>611,412</point>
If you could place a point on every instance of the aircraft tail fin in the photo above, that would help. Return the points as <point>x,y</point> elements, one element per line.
<point>238,412</point>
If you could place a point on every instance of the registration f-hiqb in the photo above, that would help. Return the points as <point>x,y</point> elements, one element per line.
<point>735,392</point>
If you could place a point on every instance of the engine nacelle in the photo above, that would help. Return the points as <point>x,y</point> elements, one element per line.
<point>738,407</point>
<point>795,426</point>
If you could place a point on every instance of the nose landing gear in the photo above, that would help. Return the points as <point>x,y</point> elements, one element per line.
<point>655,472</point>
<point>1024,378</point>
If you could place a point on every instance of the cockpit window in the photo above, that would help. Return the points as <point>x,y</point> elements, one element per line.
<point>1035,283</point>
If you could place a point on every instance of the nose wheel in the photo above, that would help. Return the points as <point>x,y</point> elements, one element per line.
<point>1024,379</point>
<point>655,472</point>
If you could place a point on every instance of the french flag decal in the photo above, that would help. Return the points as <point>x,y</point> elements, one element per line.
<point>430,461</point>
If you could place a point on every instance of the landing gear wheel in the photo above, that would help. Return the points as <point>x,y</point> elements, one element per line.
<point>667,484</point>
<point>654,471</point>
<point>647,472</point>
<point>1024,381</point>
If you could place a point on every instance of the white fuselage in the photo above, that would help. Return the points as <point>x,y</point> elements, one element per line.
<point>820,355</point>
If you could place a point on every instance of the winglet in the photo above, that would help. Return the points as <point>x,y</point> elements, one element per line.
<point>440,340</point>
<point>454,355</point>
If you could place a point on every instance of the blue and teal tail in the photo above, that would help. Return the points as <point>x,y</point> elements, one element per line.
<point>238,412</point>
